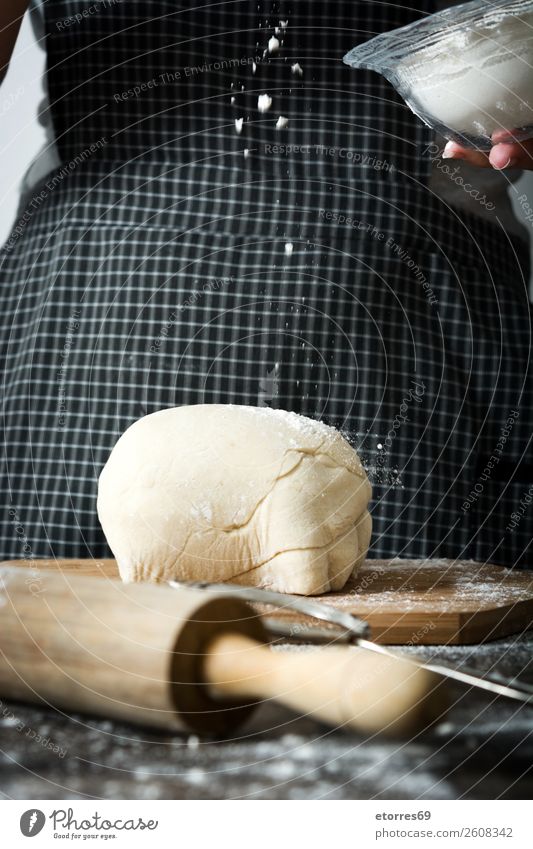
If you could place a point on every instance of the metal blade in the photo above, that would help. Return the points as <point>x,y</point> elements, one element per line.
<point>520,692</point>
<point>355,631</point>
<point>353,626</point>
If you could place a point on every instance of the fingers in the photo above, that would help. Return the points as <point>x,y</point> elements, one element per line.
<point>473,157</point>
<point>509,155</point>
<point>503,155</point>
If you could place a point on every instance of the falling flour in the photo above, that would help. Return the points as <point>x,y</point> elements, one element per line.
<point>264,102</point>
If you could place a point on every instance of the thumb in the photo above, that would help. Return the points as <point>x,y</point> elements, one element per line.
<point>512,155</point>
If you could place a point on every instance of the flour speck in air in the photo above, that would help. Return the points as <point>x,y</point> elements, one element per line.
<point>264,102</point>
<point>297,70</point>
<point>196,775</point>
<point>289,247</point>
<point>238,125</point>
<point>232,100</point>
<point>282,122</point>
<point>246,153</point>
<point>273,44</point>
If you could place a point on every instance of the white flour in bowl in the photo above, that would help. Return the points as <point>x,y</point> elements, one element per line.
<point>476,81</point>
<point>466,71</point>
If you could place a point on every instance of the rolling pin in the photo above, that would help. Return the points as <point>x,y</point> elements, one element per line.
<point>186,660</point>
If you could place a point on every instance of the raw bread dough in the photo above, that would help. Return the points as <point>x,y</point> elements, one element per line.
<point>250,495</point>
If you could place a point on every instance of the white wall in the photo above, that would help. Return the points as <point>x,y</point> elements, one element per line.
<point>21,136</point>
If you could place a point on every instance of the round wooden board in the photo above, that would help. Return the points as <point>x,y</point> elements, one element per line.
<point>406,602</point>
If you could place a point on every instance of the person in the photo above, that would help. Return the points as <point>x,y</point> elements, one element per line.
<point>235,216</point>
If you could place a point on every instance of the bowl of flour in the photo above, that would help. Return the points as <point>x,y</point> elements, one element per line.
<point>467,72</point>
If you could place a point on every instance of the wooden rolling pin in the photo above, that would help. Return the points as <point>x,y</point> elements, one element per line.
<point>184,659</point>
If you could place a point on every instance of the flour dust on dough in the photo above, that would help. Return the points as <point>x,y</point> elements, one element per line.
<point>249,495</point>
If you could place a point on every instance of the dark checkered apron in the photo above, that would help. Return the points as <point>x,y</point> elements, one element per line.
<point>174,260</point>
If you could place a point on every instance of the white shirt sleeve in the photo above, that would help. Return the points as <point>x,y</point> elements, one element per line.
<point>48,158</point>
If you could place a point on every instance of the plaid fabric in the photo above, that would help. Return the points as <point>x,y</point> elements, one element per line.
<point>162,265</point>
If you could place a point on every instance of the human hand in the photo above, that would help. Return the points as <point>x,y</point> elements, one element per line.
<point>504,154</point>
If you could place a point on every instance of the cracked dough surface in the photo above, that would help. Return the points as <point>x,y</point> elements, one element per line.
<point>249,495</point>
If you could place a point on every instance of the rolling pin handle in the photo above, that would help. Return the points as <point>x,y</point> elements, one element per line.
<point>340,686</point>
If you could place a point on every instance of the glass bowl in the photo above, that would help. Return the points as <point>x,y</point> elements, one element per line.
<point>467,71</point>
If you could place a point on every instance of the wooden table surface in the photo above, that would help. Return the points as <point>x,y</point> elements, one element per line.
<point>484,750</point>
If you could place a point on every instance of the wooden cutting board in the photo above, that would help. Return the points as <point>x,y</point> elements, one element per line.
<point>406,602</point>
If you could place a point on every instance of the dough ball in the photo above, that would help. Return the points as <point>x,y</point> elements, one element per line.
<point>249,495</point>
